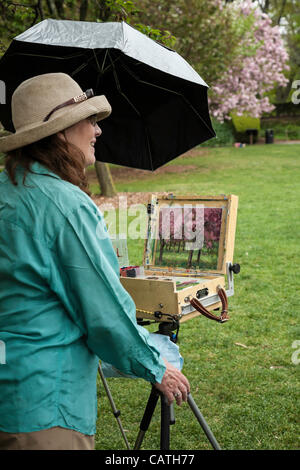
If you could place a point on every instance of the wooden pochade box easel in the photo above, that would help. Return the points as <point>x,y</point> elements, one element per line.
<point>188,255</point>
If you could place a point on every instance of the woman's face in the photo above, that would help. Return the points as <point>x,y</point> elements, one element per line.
<point>84,135</point>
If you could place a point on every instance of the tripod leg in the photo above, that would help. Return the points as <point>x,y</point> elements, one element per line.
<point>116,412</point>
<point>203,423</point>
<point>165,424</point>
<point>150,407</point>
<point>172,414</point>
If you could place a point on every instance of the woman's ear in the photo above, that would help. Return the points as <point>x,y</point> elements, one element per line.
<point>61,135</point>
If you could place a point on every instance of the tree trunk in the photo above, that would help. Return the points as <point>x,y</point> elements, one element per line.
<point>60,9</point>
<point>104,10</point>
<point>83,10</point>
<point>282,93</point>
<point>52,8</point>
<point>106,183</point>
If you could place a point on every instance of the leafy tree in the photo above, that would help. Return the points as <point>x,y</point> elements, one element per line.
<point>17,17</point>
<point>286,14</point>
<point>206,35</point>
<point>253,73</point>
<point>226,42</point>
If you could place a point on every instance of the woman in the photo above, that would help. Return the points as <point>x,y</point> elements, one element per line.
<point>62,305</point>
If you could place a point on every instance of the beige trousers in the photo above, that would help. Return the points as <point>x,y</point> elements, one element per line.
<point>56,438</point>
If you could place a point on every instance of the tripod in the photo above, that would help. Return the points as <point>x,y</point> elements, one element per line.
<point>167,411</point>
<point>167,419</point>
<point>116,412</point>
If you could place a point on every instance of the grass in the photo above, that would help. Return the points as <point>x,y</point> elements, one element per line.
<point>246,391</point>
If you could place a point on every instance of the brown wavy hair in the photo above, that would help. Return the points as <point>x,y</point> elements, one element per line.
<point>59,156</point>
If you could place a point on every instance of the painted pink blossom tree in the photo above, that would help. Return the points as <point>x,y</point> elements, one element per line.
<point>257,68</point>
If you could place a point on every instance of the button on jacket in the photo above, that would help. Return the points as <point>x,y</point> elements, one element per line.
<point>62,307</point>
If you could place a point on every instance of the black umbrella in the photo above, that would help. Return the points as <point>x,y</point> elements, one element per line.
<point>159,103</point>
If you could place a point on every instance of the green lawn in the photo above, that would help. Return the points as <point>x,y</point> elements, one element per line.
<point>248,391</point>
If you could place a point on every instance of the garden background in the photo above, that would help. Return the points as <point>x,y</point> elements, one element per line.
<point>244,374</point>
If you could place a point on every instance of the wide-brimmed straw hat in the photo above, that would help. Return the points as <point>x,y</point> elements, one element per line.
<point>47,104</point>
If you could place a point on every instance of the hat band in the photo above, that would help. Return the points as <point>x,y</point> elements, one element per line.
<point>77,99</point>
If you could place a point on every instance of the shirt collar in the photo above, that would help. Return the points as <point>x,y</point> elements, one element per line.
<point>40,169</point>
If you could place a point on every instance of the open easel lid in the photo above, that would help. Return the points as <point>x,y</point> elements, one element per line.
<point>190,234</point>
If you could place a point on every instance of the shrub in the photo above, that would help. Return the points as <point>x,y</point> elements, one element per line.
<point>284,128</point>
<point>224,134</point>
<point>293,132</point>
<point>241,124</point>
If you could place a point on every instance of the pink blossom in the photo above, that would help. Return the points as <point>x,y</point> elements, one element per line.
<point>242,88</point>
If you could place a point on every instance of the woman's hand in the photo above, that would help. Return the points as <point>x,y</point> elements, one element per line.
<point>174,385</point>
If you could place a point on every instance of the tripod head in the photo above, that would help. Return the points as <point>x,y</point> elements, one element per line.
<point>168,328</point>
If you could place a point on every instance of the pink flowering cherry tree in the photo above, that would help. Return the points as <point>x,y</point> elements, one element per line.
<point>257,68</point>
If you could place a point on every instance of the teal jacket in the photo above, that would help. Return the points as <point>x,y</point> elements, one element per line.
<point>62,307</point>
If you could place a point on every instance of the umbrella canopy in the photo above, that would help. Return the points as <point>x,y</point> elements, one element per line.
<point>159,102</point>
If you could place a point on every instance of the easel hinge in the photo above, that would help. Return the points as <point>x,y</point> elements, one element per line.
<point>150,208</point>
